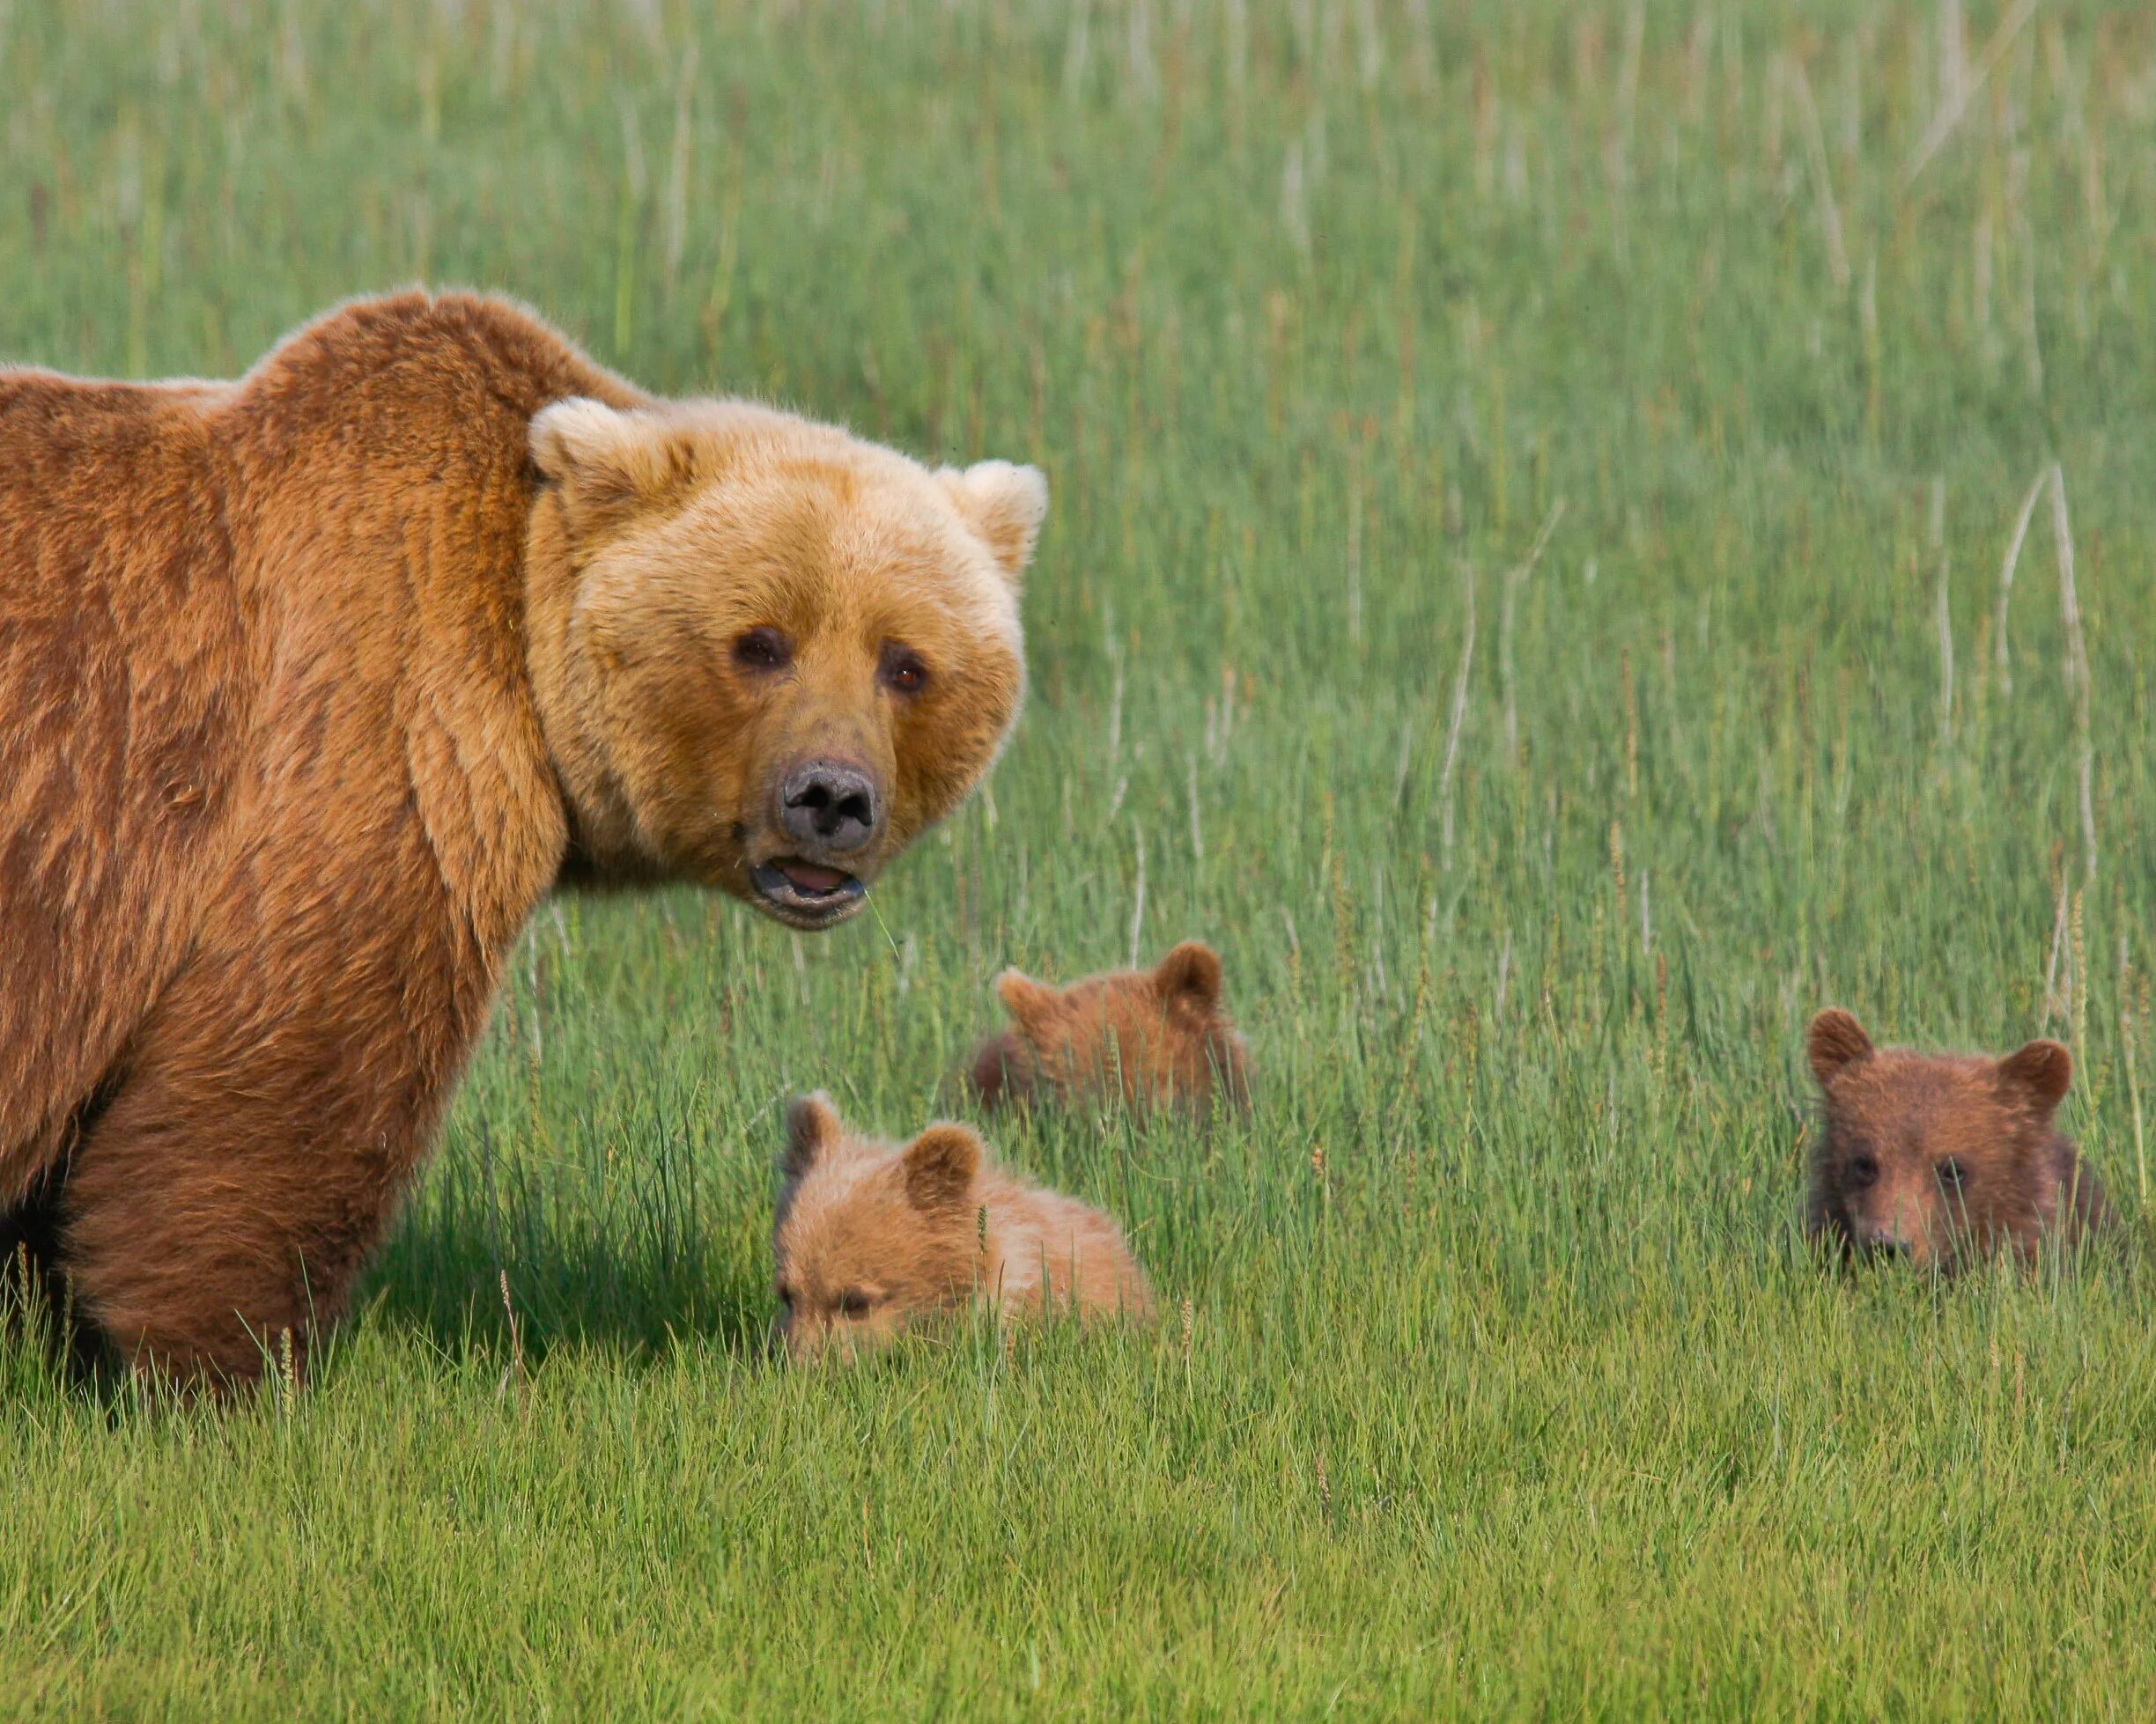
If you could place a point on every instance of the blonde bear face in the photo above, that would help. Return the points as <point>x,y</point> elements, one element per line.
<point>767,655</point>
<point>872,1237</point>
<point>1156,1037</point>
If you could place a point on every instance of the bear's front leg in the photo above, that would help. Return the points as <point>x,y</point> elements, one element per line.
<point>198,1238</point>
<point>220,1201</point>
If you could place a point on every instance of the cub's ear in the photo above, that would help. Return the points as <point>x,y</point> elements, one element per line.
<point>1835,1042</point>
<point>1190,973</point>
<point>1033,1007</point>
<point>812,1127</point>
<point>1005,504</point>
<point>2038,1072</point>
<point>941,1165</point>
<point>611,463</point>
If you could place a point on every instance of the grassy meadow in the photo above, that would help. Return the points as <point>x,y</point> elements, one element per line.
<point>1582,532</point>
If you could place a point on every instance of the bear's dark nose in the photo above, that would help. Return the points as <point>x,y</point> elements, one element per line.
<point>830,807</point>
<point>1885,1245</point>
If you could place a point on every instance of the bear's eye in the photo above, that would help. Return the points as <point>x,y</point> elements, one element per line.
<point>856,1301</point>
<point>903,669</point>
<point>1952,1175</point>
<point>763,649</point>
<point>1861,1170</point>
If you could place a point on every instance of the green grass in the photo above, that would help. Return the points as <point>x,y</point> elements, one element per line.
<point>1522,1397</point>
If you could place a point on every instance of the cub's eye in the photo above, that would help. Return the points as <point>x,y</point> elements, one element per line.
<point>1860,1171</point>
<point>1952,1175</point>
<point>763,649</point>
<point>856,1301</point>
<point>904,670</point>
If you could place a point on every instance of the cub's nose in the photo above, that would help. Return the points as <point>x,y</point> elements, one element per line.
<point>1885,1245</point>
<point>828,806</point>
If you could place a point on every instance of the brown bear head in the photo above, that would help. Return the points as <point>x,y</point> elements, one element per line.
<point>869,1235</point>
<point>1934,1158</point>
<point>766,653</point>
<point>1156,1036</point>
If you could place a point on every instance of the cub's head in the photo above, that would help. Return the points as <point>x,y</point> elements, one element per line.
<point>869,1235</point>
<point>767,655</point>
<point>1932,1158</point>
<point>1158,1037</point>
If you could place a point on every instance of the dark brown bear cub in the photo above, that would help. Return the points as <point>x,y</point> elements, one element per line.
<point>1942,1159</point>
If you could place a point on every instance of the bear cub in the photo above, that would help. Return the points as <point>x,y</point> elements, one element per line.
<point>1159,1038</point>
<point>871,1236</point>
<point>1942,1159</point>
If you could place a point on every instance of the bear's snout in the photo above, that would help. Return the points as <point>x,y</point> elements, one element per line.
<point>831,806</point>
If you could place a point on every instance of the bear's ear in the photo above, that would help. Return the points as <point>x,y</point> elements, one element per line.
<point>1190,973</point>
<point>1033,1007</point>
<point>1835,1042</point>
<point>612,464</point>
<point>2037,1073</point>
<point>812,1127</point>
<point>941,1165</point>
<point>1005,504</point>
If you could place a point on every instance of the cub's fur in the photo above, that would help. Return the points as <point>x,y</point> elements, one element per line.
<point>1943,1160</point>
<point>871,1236</point>
<point>1157,1037</point>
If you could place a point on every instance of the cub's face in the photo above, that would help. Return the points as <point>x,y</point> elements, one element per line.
<point>870,1236</point>
<point>769,654</point>
<point>1158,1036</point>
<point>1931,1159</point>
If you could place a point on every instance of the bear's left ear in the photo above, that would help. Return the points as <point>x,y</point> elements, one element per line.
<point>1032,1007</point>
<point>941,1165</point>
<point>612,464</point>
<point>1834,1042</point>
<point>2038,1072</point>
<point>1191,974</point>
<point>1005,504</point>
<point>812,1127</point>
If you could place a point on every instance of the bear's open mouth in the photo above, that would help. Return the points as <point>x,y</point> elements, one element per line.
<point>806,895</point>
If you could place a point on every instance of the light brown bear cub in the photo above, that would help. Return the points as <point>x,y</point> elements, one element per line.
<point>871,1236</point>
<point>1158,1037</point>
<point>1943,1160</point>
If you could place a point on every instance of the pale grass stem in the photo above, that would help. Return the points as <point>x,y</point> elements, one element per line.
<point>1452,731</point>
<point>2077,667</point>
<point>2006,575</point>
<point>1950,113</point>
<point>2052,1003</point>
<point>1138,905</point>
<point>1822,184</point>
<point>515,1370</point>
<point>1946,613</point>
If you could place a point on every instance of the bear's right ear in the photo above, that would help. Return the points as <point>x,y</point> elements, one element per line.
<point>1005,504</point>
<point>1192,974</point>
<point>941,1165</point>
<point>1835,1042</point>
<point>812,1127</point>
<point>1032,1007</point>
<point>611,464</point>
<point>2041,1071</point>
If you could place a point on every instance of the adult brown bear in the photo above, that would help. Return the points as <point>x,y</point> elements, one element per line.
<point>312,684</point>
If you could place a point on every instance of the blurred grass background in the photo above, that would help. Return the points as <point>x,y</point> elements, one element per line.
<point>1582,532</point>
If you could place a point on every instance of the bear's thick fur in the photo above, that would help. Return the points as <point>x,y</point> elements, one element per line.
<point>312,684</point>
